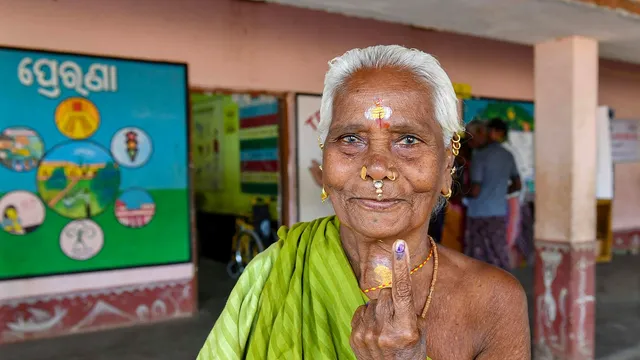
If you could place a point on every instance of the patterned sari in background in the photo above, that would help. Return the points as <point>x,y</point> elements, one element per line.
<point>485,240</point>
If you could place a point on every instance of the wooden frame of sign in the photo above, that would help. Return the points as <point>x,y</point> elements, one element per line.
<point>306,204</point>
<point>604,232</point>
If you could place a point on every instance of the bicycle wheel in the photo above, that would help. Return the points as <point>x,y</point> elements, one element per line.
<point>235,265</point>
<point>250,245</point>
<point>234,269</point>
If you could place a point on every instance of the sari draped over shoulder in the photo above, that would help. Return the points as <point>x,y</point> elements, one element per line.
<point>294,301</point>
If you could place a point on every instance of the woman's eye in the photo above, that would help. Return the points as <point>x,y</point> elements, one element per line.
<point>409,140</point>
<point>349,139</point>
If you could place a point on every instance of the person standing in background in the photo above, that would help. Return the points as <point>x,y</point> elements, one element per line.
<point>519,215</point>
<point>493,175</point>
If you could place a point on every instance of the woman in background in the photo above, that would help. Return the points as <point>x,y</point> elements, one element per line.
<point>455,218</point>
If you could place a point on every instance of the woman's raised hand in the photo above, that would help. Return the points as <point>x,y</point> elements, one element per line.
<point>388,328</point>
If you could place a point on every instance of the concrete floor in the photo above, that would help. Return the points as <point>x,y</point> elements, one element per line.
<point>617,319</point>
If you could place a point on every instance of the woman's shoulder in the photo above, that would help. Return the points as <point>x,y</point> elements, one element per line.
<point>486,291</point>
<point>475,277</point>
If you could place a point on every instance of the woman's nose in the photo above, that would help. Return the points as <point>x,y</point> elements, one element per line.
<point>378,166</point>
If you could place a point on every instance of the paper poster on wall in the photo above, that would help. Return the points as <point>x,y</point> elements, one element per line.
<point>604,163</point>
<point>206,142</point>
<point>519,116</point>
<point>309,156</point>
<point>624,140</point>
<point>94,158</point>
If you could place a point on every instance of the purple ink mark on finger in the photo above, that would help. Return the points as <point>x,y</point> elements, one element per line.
<point>400,247</point>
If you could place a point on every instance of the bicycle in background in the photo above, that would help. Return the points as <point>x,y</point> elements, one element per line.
<point>253,235</point>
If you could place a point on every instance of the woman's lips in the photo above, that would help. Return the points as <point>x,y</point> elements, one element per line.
<point>377,205</point>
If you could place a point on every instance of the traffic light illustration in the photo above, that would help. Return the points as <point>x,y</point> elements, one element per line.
<point>132,145</point>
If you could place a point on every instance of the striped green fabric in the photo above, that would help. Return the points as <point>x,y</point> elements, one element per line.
<point>294,301</point>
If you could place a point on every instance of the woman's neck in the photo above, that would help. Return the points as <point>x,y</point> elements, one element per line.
<point>371,260</point>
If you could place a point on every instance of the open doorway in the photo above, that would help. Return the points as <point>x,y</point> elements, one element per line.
<point>238,142</point>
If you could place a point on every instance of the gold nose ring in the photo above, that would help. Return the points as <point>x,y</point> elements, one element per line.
<point>363,173</point>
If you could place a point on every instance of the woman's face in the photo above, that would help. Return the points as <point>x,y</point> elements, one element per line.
<point>406,145</point>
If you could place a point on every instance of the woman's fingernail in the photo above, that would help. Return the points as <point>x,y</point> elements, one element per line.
<point>367,304</point>
<point>400,245</point>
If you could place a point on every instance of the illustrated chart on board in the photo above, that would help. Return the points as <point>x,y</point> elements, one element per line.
<point>93,164</point>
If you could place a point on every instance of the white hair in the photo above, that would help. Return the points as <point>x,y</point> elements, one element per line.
<point>419,63</point>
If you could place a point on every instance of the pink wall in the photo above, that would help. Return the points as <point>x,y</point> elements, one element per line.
<point>619,88</point>
<point>244,45</point>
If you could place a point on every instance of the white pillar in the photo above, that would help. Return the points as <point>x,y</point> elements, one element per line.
<point>566,99</point>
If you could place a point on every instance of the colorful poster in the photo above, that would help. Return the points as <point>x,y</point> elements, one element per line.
<point>259,129</point>
<point>94,164</point>
<point>309,157</point>
<point>519,116</point>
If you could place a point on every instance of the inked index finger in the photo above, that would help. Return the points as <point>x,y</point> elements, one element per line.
<point>401,281</point>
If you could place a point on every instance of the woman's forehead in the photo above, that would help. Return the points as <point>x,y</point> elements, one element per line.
<point>394,87</point>
<point>394,102</point>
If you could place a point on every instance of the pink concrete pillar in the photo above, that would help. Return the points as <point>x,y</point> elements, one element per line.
<point>566,88</point>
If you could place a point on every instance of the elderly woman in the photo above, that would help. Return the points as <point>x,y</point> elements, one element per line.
<point>369,283</point>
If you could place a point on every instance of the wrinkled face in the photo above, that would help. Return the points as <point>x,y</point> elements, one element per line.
<point>384,120</point>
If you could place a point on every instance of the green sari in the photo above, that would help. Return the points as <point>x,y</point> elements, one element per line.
<point>294,301</point>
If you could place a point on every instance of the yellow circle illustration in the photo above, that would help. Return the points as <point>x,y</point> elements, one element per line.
<point>77,118</point>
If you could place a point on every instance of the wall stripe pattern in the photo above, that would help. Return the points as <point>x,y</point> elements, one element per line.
<point>260,164</point>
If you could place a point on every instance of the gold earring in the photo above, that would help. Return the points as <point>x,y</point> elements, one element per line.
<point>320,166</point>
<point>363,173</point>
<point>448,194</point>
<point>453,171</point>
<point>393,173</point>
<point>324,195</point>
<point>455,144</point>
<point>320,144</point>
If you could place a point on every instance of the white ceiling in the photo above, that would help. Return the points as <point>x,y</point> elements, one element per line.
<point>519,21</point>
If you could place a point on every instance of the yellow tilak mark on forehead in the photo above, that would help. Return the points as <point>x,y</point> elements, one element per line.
<point>378,111</point>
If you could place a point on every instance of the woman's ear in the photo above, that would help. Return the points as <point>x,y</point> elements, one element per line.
<point>447,174</point>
